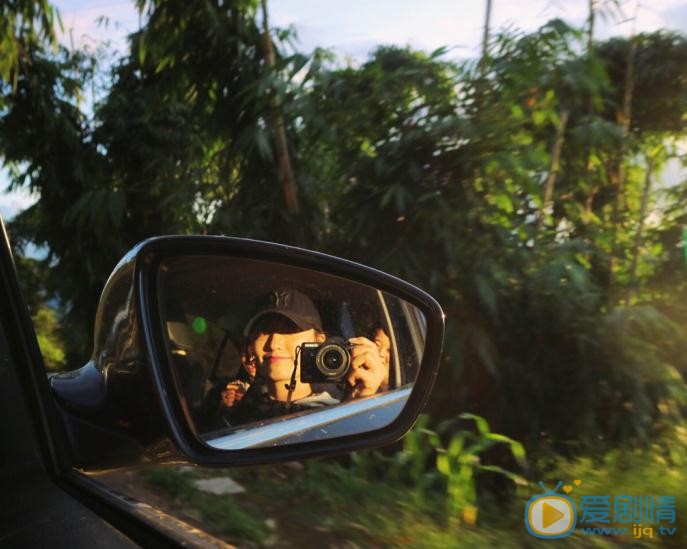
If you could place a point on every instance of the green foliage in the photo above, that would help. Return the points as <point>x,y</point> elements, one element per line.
<point>659,102</point>
<point>158,155</point>
<point>411,466</point>
<point>207,60</point>
<point>460,462</point>
<point>46,324</point>
<point>47,144</point>
<point>23,23</point>
<point>445,464</point>
<point>655,470</point>
<point>555,364</point>
<point>46,318</point>
<point>564,316</point>
<point>33,277</point>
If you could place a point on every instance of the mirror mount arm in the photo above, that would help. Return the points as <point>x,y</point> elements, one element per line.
<point>94,437</point>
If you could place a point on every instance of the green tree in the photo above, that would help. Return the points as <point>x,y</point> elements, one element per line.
<point>166,150</point>
<point>46,324</point>
<point>211,57</point>
<point>23,23</point>
<point>491,183</point>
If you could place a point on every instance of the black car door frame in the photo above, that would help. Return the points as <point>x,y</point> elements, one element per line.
<point>44,500</point>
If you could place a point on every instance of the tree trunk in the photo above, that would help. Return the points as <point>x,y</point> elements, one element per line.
<point>554,166</point>
<point>589,175</point>
<point>283,158</point>
<point>624,119</point>
<point>640,228</point>
<point>589,201</point>
<point>485,38</point>
<point>590,26</point>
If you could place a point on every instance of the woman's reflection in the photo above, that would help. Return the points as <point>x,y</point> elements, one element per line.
<point>275,336</point>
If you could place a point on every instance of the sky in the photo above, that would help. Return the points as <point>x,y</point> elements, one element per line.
<point>353,27</point>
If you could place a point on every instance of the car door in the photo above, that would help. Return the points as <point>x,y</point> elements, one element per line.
<point>39,507</point>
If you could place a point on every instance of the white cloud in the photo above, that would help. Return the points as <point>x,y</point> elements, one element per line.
<point>350,27</point>
<point>81,27</point>
<point>353,27</point>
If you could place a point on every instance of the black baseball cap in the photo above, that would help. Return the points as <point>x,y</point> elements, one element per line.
<point>290,303</point>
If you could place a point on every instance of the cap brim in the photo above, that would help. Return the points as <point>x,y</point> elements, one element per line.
<point>298,320</point>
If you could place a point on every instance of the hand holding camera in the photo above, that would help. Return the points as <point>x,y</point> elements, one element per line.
<point>367,371</point>
<point>357,362</point>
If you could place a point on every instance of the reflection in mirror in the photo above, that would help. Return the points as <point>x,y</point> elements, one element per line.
<point>267,354</point>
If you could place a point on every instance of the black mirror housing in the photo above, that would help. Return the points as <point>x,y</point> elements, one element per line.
<point>129,386</point>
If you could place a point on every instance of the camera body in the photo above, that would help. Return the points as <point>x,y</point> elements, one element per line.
<point>327,362</point>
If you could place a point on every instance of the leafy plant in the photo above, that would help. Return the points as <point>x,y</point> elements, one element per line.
<point>430,467</point>
<point>461,462</point>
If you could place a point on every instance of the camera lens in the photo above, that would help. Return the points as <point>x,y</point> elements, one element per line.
<point>333,360</point>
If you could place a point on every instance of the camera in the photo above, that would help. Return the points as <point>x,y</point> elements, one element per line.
<point>325,362</point>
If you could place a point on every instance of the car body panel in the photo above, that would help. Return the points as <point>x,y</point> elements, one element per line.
<point>341,420</point>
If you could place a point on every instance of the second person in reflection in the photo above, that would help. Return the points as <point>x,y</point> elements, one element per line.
<point>287,319</point>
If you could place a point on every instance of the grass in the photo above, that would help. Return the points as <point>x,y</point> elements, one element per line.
<point>656,470</point>
<point>219,514</point>
<point>332,503</point>
<point>324,501</point>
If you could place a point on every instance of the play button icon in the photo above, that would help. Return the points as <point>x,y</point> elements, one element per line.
<point>550,516</point>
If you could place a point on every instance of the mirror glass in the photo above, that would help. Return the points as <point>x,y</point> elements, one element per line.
<point>266,354</point>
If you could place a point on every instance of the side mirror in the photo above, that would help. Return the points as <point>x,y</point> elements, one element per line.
<point>251,352</point>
